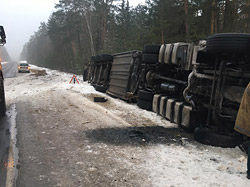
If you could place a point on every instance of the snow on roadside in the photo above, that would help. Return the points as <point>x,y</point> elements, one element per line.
<point>166,165</point>
<point>62,82</point>
<point>191,166</point>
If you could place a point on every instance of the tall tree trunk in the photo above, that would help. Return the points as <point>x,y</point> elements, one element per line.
<point>79,41</point>
<point>162,21</point>
<point>91,41</point>
<point>162,37</point>
<point>247,21</point>
<point>186,19</point>
<point>212,26</point>
<point>65,55</point>
<point>106,4</point>
<point>104,24</point>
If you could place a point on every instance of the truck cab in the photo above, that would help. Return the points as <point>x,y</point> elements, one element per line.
<point>2,95</point>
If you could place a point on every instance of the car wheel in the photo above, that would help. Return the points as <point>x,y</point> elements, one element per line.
<point>209,137</point>
<point>152,49</point>
<point>145,95</point>
<point>147,105</point>
<point>2,98</point>
<point>228,43</point>
<point>150,58</point>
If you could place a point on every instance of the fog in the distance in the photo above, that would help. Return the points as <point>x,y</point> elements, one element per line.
<point>22,18</point>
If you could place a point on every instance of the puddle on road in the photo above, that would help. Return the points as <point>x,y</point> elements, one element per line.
<point>12,163</point>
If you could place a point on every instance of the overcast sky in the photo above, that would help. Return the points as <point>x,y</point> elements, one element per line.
<point>21,18</point>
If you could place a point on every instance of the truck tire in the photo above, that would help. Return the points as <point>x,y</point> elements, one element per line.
<point>151,49</point>
<point>98,58</point>
<point>100,88</point>
<point>92,59</point>
<point>145,95</point>
<point>147,105</point>
<point>107,58</point>
<point>2,98</point>
<point>228,43</point>
<point>150,58</point>
<point>85,75</point>
<point>208,137</point>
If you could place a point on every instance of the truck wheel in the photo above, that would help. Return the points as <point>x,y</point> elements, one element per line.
<point>106,57</point>
<point>2,98</point>
<point>100,88</point>
<point>152,49</point>
<point>150,58</point>
<point>85,75</point>
<point>98,58</point>
<point>147,105</point>
<point>145,95</point>
<point>92,59</point>
<point>228,43</point>
<point>208,137</point>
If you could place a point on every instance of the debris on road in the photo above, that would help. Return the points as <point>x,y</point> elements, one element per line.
<point>85,122</point>
<point>38,72</point>
<point>100,99</point>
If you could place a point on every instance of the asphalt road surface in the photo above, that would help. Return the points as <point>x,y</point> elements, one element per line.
<point>65,139</point>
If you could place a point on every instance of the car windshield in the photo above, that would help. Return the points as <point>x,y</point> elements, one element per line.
<point>24,64</point>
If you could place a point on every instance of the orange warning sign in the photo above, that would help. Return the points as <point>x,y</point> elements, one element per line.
<point>74,79</point>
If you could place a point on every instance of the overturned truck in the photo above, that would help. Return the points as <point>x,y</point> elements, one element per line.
<point>199,86</point>
<point>219,78</point>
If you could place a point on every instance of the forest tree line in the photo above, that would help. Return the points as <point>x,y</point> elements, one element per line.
<point>79,29</point>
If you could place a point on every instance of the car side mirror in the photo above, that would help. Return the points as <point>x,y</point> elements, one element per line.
<point>2,35</point>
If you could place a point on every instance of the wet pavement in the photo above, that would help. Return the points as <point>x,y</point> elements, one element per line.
<point>8,149</point>
<point>4,149</point>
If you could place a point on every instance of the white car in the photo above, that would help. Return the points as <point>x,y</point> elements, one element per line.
<point>24,67</point>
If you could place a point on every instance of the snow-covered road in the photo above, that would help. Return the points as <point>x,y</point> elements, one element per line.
<point>65,139</point>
